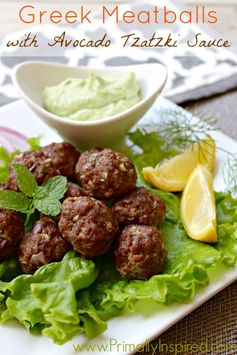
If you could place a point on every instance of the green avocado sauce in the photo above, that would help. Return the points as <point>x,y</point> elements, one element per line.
<point>93,98</point>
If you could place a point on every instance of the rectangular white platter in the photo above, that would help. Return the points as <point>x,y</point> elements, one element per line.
<point>149,320</point>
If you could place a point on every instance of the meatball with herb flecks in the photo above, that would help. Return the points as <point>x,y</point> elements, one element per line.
<point>74,190</point>
<point>35,161</point>
<point>139,252</point>
<point>105,174</point>
<point>88,224</point>
<point>11,231</point>
<point>139,207</point>
<point>42,245</point>
<point>63,157</point>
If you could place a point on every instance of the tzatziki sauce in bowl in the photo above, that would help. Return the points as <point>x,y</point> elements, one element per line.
<point>90,106</point>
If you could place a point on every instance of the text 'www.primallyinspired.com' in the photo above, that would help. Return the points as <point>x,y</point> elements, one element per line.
<point>114,346</point>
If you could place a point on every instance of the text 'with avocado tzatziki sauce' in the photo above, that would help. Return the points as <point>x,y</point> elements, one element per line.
<point>92,98</point>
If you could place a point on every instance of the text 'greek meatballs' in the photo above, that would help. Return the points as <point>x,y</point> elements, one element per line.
<point>89,225</point>
<point>105,173</point>
<point>140,207</point>
<point>11,231</point>
<point>42,245</point>
<point>139,252</point>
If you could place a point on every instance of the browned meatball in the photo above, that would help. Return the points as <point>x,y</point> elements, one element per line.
<point>140,252</point>
<point>63,157</point>
<point>40,166</point>
<point>105,173</point>
<point>88,224</point>
<point>42,245</point>
<point>140,207</point>
<point>11,231</point>
<point>74,190</point>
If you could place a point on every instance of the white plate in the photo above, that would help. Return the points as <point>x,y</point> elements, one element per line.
<point>150,320</point>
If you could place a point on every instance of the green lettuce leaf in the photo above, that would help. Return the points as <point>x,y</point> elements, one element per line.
<point>227,228</point>
<point>5,160</point>
<point>93,324</point>
<point>151,145</point>
<point>226,208</point>
<point>35,142</point>
<point>47,302</point>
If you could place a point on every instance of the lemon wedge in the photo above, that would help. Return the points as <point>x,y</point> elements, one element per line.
<point>173,174</point>
<point>198,208</point>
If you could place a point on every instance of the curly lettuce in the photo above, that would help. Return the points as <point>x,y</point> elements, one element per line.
<point>46,302</point>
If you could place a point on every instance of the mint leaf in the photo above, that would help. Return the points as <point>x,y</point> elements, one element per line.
<point>55,187</point>
<point>15,201</point>
<point>25,180</point>
<point>49,207</point>
<point>40,193</point>
<point>46,197</point>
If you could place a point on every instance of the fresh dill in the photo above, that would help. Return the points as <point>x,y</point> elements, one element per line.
<point>230,173</point>
<point>180,128</point>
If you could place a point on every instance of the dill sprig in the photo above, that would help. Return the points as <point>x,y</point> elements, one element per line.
<point>181,128</point>
<point>230,173</point>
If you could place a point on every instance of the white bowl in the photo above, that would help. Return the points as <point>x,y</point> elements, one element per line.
<point>30,79</point>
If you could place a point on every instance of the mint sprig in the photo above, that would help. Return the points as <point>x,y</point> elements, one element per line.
<point>45,198</point>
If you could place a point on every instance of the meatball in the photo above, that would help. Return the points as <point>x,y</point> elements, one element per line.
<point>139,252</point>
<point>63,157</point>
<point>105,173</point>
<point>43,244</point>
<point>74,190</point>
<point>88,224</point>
<point>40,166</point>
<point>140,207</point>
<point>11,231</point>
